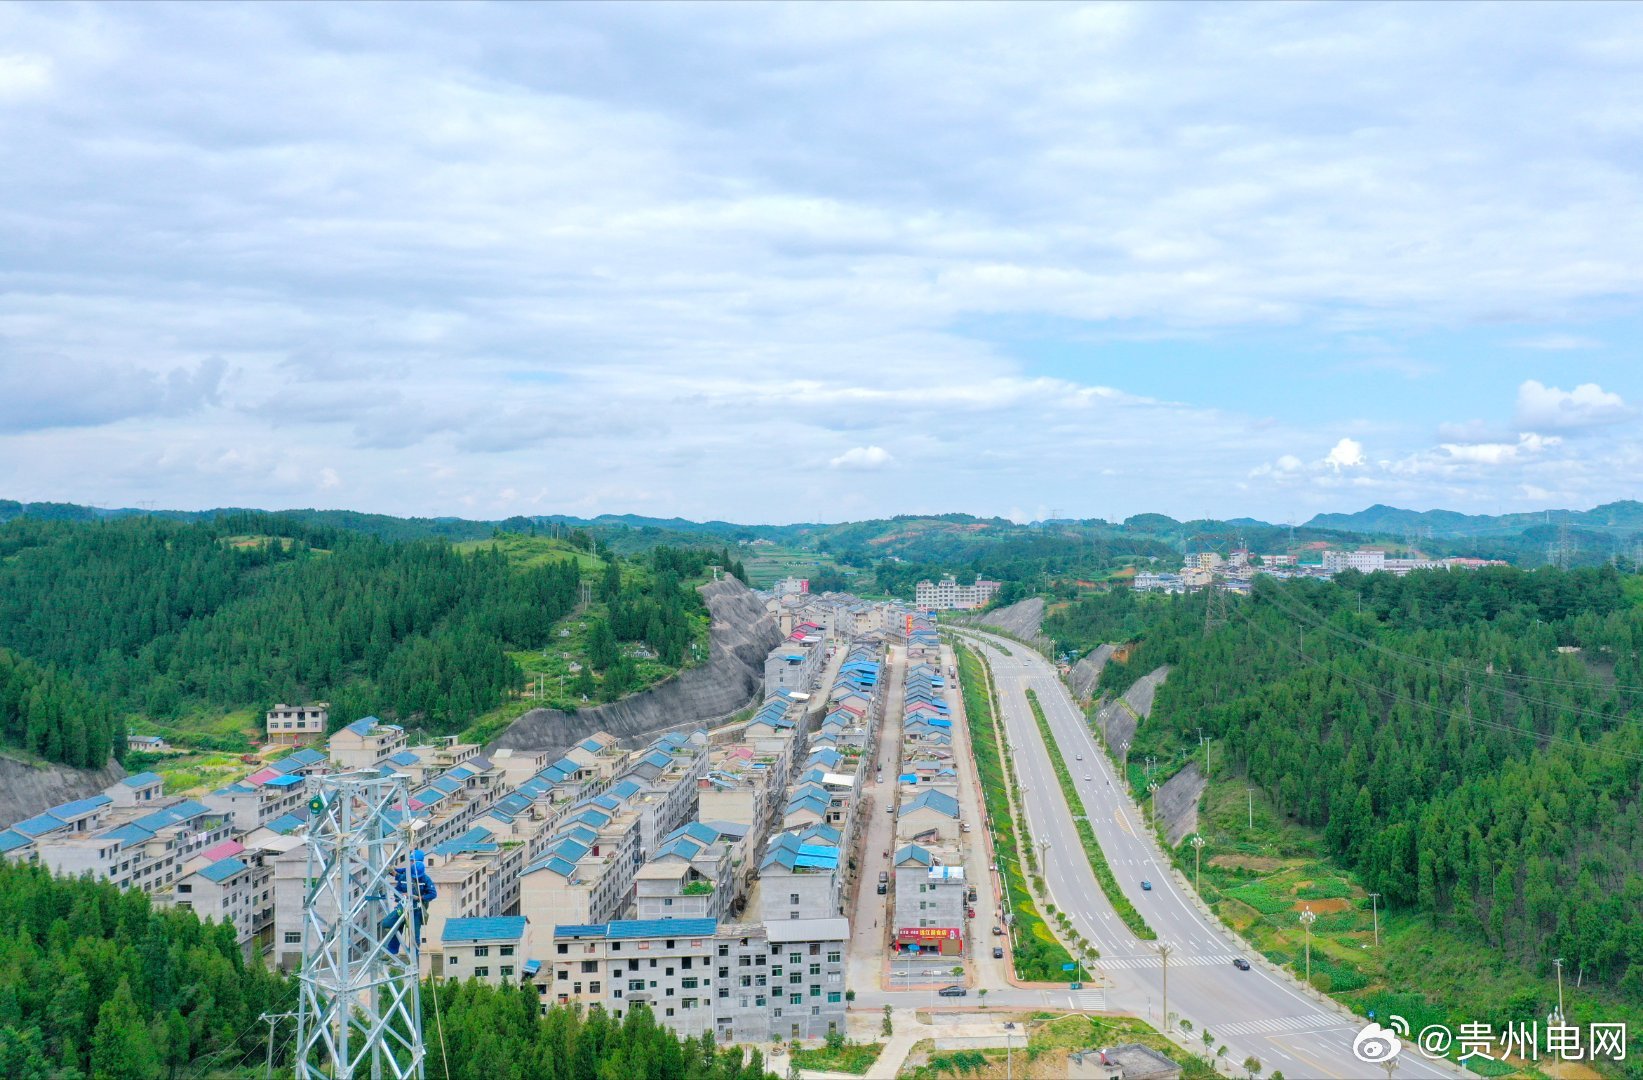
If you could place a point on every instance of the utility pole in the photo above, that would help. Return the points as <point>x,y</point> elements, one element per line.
<point>359,1012</point>
<point>1249,795</point>
<point>272,1020</point>
<point>1154,789</point>
<point>1197,859</point>
<point>1308,917</point>
<point>1375,913</point>
<point>1164,949</point>
<point>1558,963</point>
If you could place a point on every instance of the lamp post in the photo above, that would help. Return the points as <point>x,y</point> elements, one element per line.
<point>1164,949</point>
<point>1197,859</point>
<point>1154,789</point>
<point>1308,917</point>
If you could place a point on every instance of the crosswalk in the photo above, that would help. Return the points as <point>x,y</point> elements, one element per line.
<point>1280,1025</point>
<point>1088,1001</point>
<point>1126,963</point>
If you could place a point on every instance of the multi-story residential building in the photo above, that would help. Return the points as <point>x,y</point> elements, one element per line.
<point>779,981</point>
<point>948,595</point>
<point>693,874</point>
<point>494,950</point>
<point>293,724</point>
<point>227,884</point>
<point>666,964</point>
<point>799,876</point>
<point>1364,560</point>
<point>929,816</point>
<point>365,744</point>
<point>140,847</point>
<point>930,902</point>
<point>138,790</point>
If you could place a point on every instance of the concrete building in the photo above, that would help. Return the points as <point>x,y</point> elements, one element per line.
<point>948,595</point>
<point>296,724</point>
<point>799,876</point>
<point>494,950</point>
<point>137,790</point>
<point>1363,560</point>
<point>930,904</point>
<point>780,981</point>
<point>1131,1061</point>
<point>365,744</point>
<point>930,817</point>
<point>228,884</point>
<point>666,964</point>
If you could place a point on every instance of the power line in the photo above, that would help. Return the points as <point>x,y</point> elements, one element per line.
<point>1493,725</point>
<point>1444,668</point>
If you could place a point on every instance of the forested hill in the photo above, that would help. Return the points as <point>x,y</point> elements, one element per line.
<point>1470,743</point>
<point>166,619</point>
<point>95,981</point>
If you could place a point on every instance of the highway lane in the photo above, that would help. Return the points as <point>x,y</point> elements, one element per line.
<point>1257,1012</point>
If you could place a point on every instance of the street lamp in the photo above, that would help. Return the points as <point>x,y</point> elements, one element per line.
<point>1154,789</point>
<point>1308,917</point>
<point>1197,858</point>
<point>1164,949</point>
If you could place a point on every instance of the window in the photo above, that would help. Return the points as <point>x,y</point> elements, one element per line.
<point>792,898</point>
<point>795,999</point>
<point>776,971</point>
<point>724,950</point>
<point>796,958</point>
<point>815,991</point>
<point>293,937</point>
<point>796,978</point>
<point>507,971</point>
<point>481,972</point>
<point>834,997</point>
<point>667,902</point>
<point>833,956</point>
<point>636,984</point>
<point>505,950</point>
<point>185,887</point>
<point>687,984</point>
<point>590,965</point>
<point>482,950</point>
<point>815,949</point>
<point>451,960</point>
<point>815,969</point>
<point>563,948</point>
<point>561,975</point>
<point>815,1010</point>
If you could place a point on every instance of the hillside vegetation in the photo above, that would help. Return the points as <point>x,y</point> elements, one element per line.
<point>180,622</point>
<point>1467,745</point>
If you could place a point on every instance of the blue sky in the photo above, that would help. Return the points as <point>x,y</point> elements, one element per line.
<point>787,262</point>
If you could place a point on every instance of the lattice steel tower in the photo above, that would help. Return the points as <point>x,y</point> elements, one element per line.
<point>360,1013</point>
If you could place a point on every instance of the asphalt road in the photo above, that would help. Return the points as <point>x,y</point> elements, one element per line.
<point>1260,1011</point>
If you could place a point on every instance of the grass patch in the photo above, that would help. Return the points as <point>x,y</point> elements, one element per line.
<point>525,551</point>
<point>1038,954</point>
<point>1427,973</point>
<point>851,1057</point>
<point>1050,1041</point>
<point>1086,833</point>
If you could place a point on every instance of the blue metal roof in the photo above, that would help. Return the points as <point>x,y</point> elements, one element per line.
<point>130,833</point>
<point>623,929</point>
<point>79,806</point>
<point>624,788</point>
<point>285,824</point>
<point>592,746</point>
<point>222,870</point>
<point>579,930</point>
<point>142,779</point>
<point>404,757</point>
<point>39,825</point>
<point>491,928</point>
<point>10,840</point>
<point>531,967</point>
<point>283,781</point>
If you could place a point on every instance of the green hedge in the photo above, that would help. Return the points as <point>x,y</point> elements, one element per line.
<point>1038,955</point>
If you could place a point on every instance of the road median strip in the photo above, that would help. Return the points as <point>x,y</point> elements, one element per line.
<point>1086,833</point>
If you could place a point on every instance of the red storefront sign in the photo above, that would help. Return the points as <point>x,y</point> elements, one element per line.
<point>917,935</point>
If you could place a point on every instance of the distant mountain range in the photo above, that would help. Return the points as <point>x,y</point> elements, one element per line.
<point>1613,529</point>
<point>1623,516</point>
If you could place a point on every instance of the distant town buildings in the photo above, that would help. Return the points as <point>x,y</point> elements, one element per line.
<point>948,595</point>
<point>1205,569</point>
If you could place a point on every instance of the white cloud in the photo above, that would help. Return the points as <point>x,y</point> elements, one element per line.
<point>1549,408</point>
<point>328,478</point>
<point>1346,454</point>
<point>863,457</point>
<point>1558,342</point>
<point>1498,453</point>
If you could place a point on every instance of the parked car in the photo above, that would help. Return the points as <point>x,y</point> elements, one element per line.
<point>884,875</point>
<point>971,912</point>
<point>952,991</point>
<point>1146,886</point>
<point>1088,778</point>
<point>890,809</point>
<point>884,889</point>
<point>998,952</point>
<point>972,894</point>
<point>1078,757</point>
<point>998,931</point>
<point>1240,963</point>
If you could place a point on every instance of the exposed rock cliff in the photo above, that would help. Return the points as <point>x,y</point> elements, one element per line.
<point>743,635</point>
<point>1119,719</point>
<point>1178,802</point>
<point>26,788</point>
<point>1022,618</point>
<point>1081,679</point>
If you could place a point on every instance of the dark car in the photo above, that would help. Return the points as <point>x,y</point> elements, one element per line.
<point>952,991</point>
<point>998,952</point>
<point>884,890</point>
<point>998,931</point>
<point>1240,963</point>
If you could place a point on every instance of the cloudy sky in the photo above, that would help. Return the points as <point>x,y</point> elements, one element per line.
<point>775,263</point>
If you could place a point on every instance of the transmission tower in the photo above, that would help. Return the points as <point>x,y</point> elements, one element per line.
<point>359,1014</point>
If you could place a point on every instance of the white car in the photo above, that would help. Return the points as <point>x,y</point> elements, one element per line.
<point>1088,778</point>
